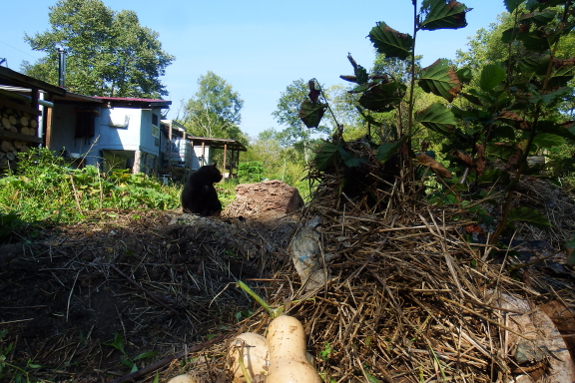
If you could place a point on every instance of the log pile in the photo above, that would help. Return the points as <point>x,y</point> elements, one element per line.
<point>18,131</point>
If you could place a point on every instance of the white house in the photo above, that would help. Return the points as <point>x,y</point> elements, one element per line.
<point>116,133</point>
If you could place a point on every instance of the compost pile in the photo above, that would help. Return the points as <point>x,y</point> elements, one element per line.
<point>401,290</point>
<point>405,291</point>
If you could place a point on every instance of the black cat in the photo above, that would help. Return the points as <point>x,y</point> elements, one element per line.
<point>199,195</point>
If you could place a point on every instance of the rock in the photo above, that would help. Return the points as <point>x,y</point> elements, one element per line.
<point>264,200</point>
<point>541,351</point>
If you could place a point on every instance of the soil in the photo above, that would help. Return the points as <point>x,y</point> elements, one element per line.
<point>83,302</point>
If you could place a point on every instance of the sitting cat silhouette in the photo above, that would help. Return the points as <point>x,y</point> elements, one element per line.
<point>199,195</point>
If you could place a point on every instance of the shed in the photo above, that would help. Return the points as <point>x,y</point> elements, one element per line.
<point>25,113</point>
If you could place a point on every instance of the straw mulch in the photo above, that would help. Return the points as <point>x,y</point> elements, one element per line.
<point>407,297</point>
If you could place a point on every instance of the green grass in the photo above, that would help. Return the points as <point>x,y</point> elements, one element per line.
<point>44,189</point>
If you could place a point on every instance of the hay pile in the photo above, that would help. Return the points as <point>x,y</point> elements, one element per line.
<point>406,297</point>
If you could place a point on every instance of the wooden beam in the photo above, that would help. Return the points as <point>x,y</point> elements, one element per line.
<point>225,153</point>
<point>47,127</point>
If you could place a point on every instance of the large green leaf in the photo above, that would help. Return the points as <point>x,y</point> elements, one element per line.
<point>541,5</point>
<point>528,215</point>
<point>383,97</point>
<point>537,41</point>
<point>548,140</point>
<point>551,96</point>
<point>491,76</point>
<point>311,113</point>
<point>511,5</point>
<point>538,18</point>
<point>386,150</point>
<point>348,158</point>
<point>327,156</point>
<point>440,79</point>
<point>390,42</point>
<point>437,118</point>
<point>465,74</point>
<point>562,73</point>
<point>440,14</point>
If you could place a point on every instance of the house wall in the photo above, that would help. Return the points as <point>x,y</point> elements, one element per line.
<point>63,133</point>
<point>116,130</point>
<point>201,157</point>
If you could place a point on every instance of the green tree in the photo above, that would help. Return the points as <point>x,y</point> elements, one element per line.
<point>214,110</point>
<point>108,53</point>
<point>287,114</point>
<point>491,45</point>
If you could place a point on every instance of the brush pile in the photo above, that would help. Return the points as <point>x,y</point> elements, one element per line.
<point>404,296</point>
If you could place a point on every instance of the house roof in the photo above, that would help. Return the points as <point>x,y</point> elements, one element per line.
<point>135,102</point>
<point>218,143</point>
<point>13,78</point>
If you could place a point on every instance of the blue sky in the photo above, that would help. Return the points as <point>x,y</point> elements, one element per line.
<point>259,47</point>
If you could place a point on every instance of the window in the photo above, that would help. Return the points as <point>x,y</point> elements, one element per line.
<point>155,126</point>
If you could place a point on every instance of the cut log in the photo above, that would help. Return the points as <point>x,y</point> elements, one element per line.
<point>7,146</point>
<point>6,123</point>
<point>13,120</point>
<point>10,156</point>
<point>24,121</point>
<point>33,124</point>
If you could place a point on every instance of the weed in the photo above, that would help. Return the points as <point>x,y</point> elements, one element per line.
<point>118,344</point>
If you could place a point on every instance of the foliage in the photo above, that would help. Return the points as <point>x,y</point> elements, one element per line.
<point>13,371</point>
<point>287,114</point>
<point>108,53</point>
<point>74,192</point>
<point>251,172</point>
<point>119,344</point>
<point>215,110</point>
<point>504,110</point>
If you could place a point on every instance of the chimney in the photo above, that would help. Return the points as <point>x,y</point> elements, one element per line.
<point>62,68</point>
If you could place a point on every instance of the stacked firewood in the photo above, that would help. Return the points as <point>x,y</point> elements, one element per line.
<point>17,132</point>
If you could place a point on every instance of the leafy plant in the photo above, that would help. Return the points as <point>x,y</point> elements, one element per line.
<point>251,172</point>
<point>503,114</point>
<point>118,344</point>
<point>73,192</point>
<point>11,371</point>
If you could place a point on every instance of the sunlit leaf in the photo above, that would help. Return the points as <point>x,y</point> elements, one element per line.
<point>390,42</point>
<point>440,79</point>
<point>491,76</point>
<point>437,118</point>
<point>383,97</point>
<point>311,113</point>
<point>530,216</point>
<point>548,140</point>
<point>440,14</point>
